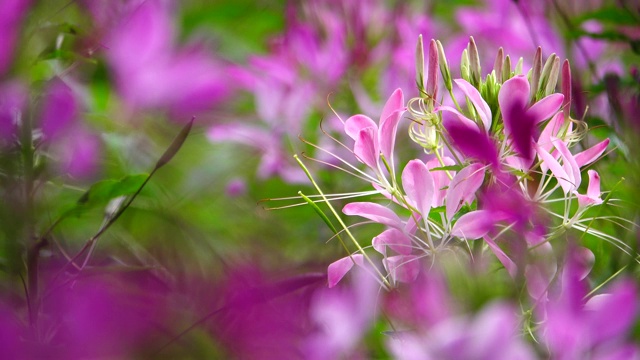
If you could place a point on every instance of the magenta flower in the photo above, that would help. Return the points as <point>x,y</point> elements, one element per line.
<point>149,71</point>
<point>491,334</point>
<point>341,316</point>
<point>520,118</point>
<point>370,138</point>
<point>11,14</point>
<point>577,327</point>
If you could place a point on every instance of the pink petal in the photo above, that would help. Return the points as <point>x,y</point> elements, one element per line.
<point>387,134</point>
<point>418,185</point>
<point>366,147</point>
<point>550,131</point>
<point>463,188</point>
<point>474,225</point>
<point>590,155</point>
<point>546,107</point>
<point>354,124</point>
<point>374,212</point>
<point>506,261</point>
<point>440,179</point>
<point>397,240</point>
<point>59,109</point>
<point>468,138</point>
<point>478,102</point>
<point>611,315</point>
<point>568,162</point>
<point>593,191</point>
<point>557,170</point>
<point>514,93</point>
<point>402,268</point>
<point>338,269</point>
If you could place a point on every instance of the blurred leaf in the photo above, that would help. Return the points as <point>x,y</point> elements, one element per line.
<point>611,15</point>
<point>101,192</point>
<point>176,144</point>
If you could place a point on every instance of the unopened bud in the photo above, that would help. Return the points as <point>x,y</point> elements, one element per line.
<point>444,67</point>
<point>506,69</point>
<point>566,89</point>
<point>536,71</point>
<point>497,65</point>
<point>544,76</point>
<point>420,65</point>
<point>464,66</point>
<point>552,81</point>
<point>474,63</point>
<point>518,69</point>
<point>432,73</point>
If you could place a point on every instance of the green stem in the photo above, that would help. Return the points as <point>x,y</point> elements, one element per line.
<point>344,226</point>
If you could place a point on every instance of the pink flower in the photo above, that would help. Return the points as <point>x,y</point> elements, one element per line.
<point>151,73</point>
<point>11,14</point>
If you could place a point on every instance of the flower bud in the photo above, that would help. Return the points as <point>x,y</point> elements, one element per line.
<point>497,65</point>
<point>444,67</point>
<point>432,73</point>
<point>506,69</point>
<point>566,88</point>
<point>474,63</point>
<point>464,66</point>
<point>536,71</point>
<point>550,87</point>
<point>420,66</point>
<point>544,76</point>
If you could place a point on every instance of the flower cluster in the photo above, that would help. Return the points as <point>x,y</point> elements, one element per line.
<point>504,165</point>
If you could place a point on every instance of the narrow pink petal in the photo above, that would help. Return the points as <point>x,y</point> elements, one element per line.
<point>546,107</point>
<point>440,179</point>
<point>393,104</point>
<point>354,124</point>
<point>387,134</point>
<point>402,268</point>
<point>590,155</point>
<point>557,170</point>
<point>593,191</point>
<point>374,212</point>
<point>502,257</point>
<point>568,162</point>
<point>458,117</point>
<point>338,269</point>
<point>397,240</point>
<point>366,147</point>
<point>473,225</point>
<point>551,130</point>
<point>478,102</point>
<point>418,185</point>
<point>463,187</point>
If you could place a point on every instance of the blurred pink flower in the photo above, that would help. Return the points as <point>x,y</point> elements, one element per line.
<point>151,73</point>
<point>577,327</point>
<point>11,14</point>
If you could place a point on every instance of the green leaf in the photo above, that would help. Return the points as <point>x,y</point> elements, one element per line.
<point>101,192</point>
<point>611,15</point>
<point>176,144</point>
<point>448,168</point>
